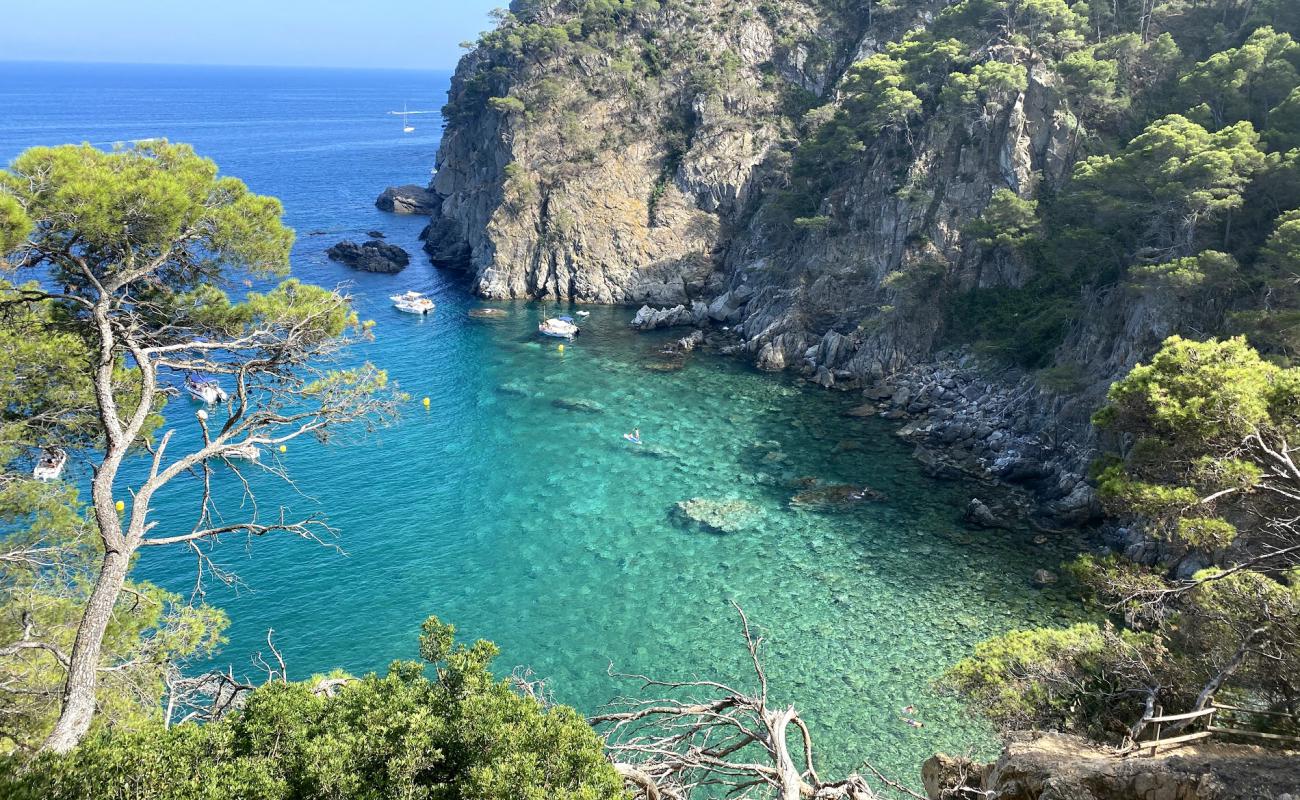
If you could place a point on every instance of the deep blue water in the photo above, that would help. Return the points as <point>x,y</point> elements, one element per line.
<point>536,525</point>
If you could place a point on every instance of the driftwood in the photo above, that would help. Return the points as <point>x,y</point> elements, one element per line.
<point>707,737</point>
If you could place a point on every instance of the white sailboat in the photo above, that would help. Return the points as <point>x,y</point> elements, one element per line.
<point>407,127</point>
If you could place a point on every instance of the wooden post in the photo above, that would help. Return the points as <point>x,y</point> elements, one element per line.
<point>1160,712</point>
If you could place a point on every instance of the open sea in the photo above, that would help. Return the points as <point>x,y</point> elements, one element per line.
<point>513,507</point>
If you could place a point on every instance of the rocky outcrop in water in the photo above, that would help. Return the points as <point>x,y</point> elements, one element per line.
<point>408,199</point>
<point>370,256</point>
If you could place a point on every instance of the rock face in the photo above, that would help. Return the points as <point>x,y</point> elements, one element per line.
<point>371,256</point>
<point>646,168</point>
<point>1057,767</point>
<point>409,199</point>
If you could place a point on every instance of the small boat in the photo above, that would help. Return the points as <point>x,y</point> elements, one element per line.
<point>412,303</point>
<point>246,451</point>
<point>205,389</point>
<point>584,313</point>
<point>559,327</point>
<point>51,464</point>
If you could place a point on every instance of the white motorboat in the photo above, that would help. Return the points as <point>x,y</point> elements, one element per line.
<point>412,303</point>
<point>246,451</point>
<point>205,389</point>
<point>51,464</point>
<point>559,327</point>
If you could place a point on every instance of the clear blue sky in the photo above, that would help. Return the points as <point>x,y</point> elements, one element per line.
<point>421,34</point>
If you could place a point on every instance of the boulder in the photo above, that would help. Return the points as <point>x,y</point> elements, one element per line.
<point>648,319</point>
<point>375,234</point>
<point>982,516</point>
<point>1042,578</point>
<point>725,308</point>
<point>691,341</point>
<point>1079,507</point>
<point>409,199</point>
<point>372,256</point>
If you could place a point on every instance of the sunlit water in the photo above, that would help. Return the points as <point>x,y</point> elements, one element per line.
<point>537,525</point>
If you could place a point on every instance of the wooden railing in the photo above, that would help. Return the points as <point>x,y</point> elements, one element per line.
<point>1158,719</point>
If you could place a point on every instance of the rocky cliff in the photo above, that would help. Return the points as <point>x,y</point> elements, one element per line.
<point>852,188</point>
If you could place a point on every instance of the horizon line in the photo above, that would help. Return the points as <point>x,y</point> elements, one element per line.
<point>221,65</point>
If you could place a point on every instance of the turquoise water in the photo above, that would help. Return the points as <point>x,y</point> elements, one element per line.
<point>533,523</point>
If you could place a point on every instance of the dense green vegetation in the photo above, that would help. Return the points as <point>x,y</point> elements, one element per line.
<point>461,734</point>
<point>1209,474</point>
<point>1183,121</point>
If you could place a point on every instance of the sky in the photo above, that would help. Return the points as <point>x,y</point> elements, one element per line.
<point>404,34</point>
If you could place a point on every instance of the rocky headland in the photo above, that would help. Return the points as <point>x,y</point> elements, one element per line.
<point>562,177</point>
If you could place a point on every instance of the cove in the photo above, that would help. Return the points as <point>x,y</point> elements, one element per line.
<point>515,508</point>
<point>532,522</point>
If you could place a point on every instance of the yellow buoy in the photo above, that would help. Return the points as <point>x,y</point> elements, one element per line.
<point>560,348</point>
<point>426,402</point>
<point>283,448</point>
<point>120,506</point>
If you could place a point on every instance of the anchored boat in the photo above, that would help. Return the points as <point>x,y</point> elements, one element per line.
<point>559,327</point>
<point>205,389</point>
<point>51,464</point>
<point>412,303</point>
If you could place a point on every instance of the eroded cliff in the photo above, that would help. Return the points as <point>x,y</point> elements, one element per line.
<point>889,196</point>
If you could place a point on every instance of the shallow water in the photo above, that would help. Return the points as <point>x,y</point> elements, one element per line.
<point>535,524</point>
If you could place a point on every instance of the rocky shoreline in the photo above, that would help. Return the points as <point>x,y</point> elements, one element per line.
<point>963,419</point>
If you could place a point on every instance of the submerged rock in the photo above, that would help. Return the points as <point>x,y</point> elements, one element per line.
<point>835,497</point>
<point>715,516</point>
<point>981,515</point>
<point>669,363</point>
<point>372,256</point>
<point>1042,578</point>
<point>516,389</point>
<point>375,234</point>
<point>408,199</point>
<point>579,405</point>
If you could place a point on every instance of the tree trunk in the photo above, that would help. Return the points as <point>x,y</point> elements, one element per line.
<point>79,690</point>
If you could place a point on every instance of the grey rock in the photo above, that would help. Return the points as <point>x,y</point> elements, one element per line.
<point>982,516</point>
<point>371,256</point>
<point>648,319</point>
<point>408,199</point>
